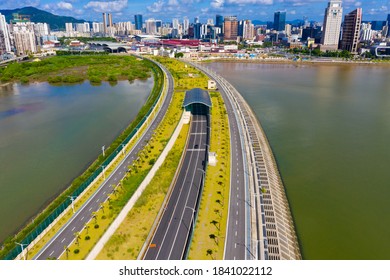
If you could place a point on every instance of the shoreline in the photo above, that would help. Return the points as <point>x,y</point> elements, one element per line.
<point>47,208</point>
<point>270,61</point>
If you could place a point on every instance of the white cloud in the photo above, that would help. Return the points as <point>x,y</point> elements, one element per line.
<point>238,2</point>
<point>65,6</point>
<point>217,3</point>
<point>358,4</point>
<point>156,7</point>
<point>173,2</point>
<point>110,6</point>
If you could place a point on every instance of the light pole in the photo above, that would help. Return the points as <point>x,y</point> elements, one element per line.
<point>103,148</point>
<point>104,175</point>
<point>22,246</point>
<point>193,216</point>
<point>72,199</point>
<point>123,149</point>
<point>246,248</point>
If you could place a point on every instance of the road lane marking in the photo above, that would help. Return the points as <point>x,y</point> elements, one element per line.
<point>90,209</point>
<point>51,254</point>
<point>97,200</point>
<point>82,219</point>
<point>63,240</point>
<point>73,228</point>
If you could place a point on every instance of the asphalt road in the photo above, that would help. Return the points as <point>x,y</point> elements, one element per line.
<point>55,247</point>
<point>171,236</point>
<point>235,242</point>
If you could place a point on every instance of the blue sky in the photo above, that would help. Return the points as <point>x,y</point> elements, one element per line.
<point>124,10</point>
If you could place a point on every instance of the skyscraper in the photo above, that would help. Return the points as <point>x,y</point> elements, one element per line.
<point>104,24</point>
<point>5,42</point>
<point>280,21</point>
<point>109,20</point>
<point>138,22</point>
<point>351,31</point>
<point>186,25</point>
<point>388,25</point>
<point>151,26</point>
<point>332,25</point>
<point>219,21</point>
<point>230,28</point>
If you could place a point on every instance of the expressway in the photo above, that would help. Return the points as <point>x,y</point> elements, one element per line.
<point>65,236</point>
<point>171,236</point>
<point>236,247</point>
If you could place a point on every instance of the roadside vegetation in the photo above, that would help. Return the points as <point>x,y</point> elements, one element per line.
<point>9,243</point>
<point>129,238</point>
<point>208,241</point>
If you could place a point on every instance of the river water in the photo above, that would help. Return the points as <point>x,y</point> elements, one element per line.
<point>329,128</point>
<point>50,134</point>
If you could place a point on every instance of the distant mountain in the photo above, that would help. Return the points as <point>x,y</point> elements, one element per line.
<point>36,15</point>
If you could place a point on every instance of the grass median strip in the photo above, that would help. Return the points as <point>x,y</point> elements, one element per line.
<point>210,230</point>
<point>127,241</point>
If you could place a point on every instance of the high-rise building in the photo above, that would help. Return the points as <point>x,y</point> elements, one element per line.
<point>69,28</point>
<point>219,21</point>
<point>280,21</point>
<point>5,41</point>
<point>388,25</point>
<point>151,26</point>
<point>246,29</point>
<point>138,22</point>
<point>210,21</point>
<point>196,20</point>
<point>288,29</point>
<point>366,33</point>
<point>332,25</point>
<point>110,24</point>
<point>41,29</point>
<point>96,27</point>
<point>351,31</point>
<point>175,23</point>
<point>24,38</point>
<point>104,24</point>
<point>230,28</point>
<point>186,25</point>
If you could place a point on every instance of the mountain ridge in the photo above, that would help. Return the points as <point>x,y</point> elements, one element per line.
<point>56,22</point>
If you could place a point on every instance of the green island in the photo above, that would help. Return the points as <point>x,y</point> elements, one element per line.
<point>76,69</point>
<point>122,67</point>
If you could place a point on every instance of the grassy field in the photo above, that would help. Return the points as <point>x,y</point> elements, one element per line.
<point>210,230</point>
<point>129,238</point>
<point>76,69</point>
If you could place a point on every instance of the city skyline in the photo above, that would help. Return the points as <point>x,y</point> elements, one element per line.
<point>124,10</point>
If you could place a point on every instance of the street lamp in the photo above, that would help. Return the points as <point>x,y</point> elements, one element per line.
<point>123,149</point>
<point>22,246</point>
<point>193,216</point>
<point>104,175</point>
<point>103,148</point>
<point>247,249</point>
<point>72,199</point>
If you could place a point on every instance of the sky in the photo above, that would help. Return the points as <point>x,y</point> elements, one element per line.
<point>124,10</point>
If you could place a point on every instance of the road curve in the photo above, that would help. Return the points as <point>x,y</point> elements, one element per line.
<point>236,234</point>
<point>55,247</point>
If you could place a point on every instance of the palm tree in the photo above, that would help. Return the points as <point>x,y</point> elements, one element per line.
<point>216,211</point>
<point>213,236</point>
<point>94,216</point>
<point>210,252</point>
<point>101,207</point>
<point>77,235</point>
<point>86,227</point>
<point>219,202</point>
<point>214,222</point>
<point>66,251</point>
